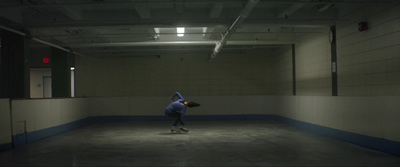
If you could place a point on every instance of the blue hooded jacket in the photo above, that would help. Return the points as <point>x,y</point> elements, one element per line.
<point>177,106</point>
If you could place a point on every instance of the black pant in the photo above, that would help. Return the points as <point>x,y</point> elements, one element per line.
<point>176,115</point>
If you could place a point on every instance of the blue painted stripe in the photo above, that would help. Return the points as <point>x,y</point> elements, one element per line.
<point>5,146</point>
<point>227,117</point>
<point>188,117</point>
<point>19,139</point>
<point>379,144</point>
<point>40,134</point>
<point>22,139</point>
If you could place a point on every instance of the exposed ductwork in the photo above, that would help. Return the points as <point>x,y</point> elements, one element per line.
<point>239,20</point>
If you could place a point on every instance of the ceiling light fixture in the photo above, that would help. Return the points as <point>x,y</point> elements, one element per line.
<point>180,31</point>
<point>204,31</point>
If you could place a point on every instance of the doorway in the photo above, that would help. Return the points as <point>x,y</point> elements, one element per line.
<point>47,86</point>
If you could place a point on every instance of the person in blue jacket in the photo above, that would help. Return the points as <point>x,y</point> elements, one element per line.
<point>177,109</point>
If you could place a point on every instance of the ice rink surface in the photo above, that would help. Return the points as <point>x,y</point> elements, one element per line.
<point>208,143</point>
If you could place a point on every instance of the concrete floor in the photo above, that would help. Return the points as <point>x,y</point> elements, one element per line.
<point>209,143</point>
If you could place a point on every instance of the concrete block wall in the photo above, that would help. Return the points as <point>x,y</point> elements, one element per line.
<point>5,124</point>
<point>155,105</point>
<point>127,106</point>
<point>313,65</point>
<point>282,71</point>
<point>229,75</point>
<point>369,61</point>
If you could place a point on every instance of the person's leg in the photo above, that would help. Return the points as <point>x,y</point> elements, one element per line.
<point>176,115</point>
<point>180,121</point>
<point>181,127</point>
<point>176,122</point>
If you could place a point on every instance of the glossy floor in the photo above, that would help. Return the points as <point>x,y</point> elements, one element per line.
<point>209,143</point>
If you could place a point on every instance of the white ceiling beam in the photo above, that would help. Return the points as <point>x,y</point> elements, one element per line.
<point>178,43</point>
<point>208,33</point>
<point>153,34</point>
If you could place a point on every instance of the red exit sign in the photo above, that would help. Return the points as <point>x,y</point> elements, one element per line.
<point>46,60</point>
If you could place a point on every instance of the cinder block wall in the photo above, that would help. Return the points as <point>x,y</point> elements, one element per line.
<point>313,65</point>
<point>155,105</point>
<point>228,75</point>
<point>369,61</point>
<point>282,71</point>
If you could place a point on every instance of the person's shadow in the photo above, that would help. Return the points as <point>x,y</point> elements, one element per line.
<point>182,133</point>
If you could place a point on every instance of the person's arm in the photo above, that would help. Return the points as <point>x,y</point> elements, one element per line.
<point>177,94</point>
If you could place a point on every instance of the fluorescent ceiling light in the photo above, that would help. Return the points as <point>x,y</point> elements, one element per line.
<point>180,31</point>
<point>157,30</point>
<point>204,31</point>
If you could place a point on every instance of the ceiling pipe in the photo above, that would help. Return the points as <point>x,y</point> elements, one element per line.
<point>239,20</point>
<point>12,30</point>
<point>40,41</point>
<point>324,7</point>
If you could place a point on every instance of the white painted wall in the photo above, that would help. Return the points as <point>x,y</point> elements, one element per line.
<point>5,122</point>
<point>371,116</point>
<point>45,113</point>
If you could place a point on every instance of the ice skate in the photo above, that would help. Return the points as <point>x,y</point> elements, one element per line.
<point>174,129</point>
<point>183,129</point>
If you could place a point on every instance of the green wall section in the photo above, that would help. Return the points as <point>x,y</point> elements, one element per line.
<point>15,63</point>
<point>61,74</point>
